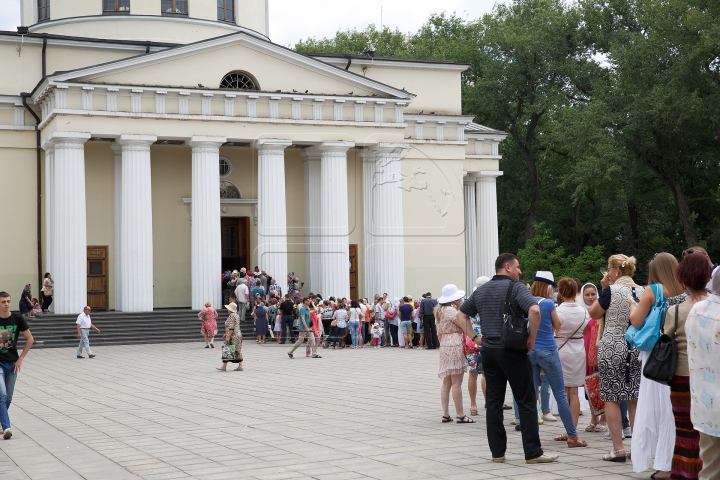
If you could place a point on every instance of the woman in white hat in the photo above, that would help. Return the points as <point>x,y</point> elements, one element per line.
<point>453,362</point>
<point>544,355</point>
<point>233,336</point>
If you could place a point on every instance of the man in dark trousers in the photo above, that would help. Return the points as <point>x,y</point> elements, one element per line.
<point>427,305</point>
<point>286,308</point>
<point>502,365</point>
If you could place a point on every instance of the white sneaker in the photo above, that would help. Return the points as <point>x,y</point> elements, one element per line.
<point>627,432</point>
<point>608,437</point>
<point>549,417</point>
<point>7,433</point>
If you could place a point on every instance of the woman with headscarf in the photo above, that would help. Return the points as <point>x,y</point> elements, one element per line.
<point>233,336</point>
<point>208,316</point>
<point>260,319</point>
<point>26,305</point>
<point>653,431</point>
<point>588,295</point>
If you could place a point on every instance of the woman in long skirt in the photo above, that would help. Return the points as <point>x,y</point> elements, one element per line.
<point>233,337</point>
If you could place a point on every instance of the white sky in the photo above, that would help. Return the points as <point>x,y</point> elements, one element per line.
<point>291,20</point>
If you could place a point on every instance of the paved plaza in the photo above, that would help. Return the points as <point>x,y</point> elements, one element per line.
<point>163,411</point>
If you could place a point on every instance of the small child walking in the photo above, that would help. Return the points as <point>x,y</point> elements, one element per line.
<point>376,332</point>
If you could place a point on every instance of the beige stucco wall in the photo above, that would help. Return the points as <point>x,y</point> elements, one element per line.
<point>423,82</point>
<point>29,62</point>
<point>18,241</point>
<point>433,215</point>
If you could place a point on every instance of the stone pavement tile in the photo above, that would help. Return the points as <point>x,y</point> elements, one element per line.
<point>166,476</point>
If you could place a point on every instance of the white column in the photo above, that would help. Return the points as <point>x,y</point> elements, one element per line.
<point>471,246</point>
<point>311,160</point>
<point>388,217</point>
<point>69,230</point>
<point>205,248</point>
<point>272,225</point>
<point>369,157</point>
<point>49,216</point>
<point>136,239</point>
<point>117,154</point>
<point>334,227</point>
<point>487,225</point>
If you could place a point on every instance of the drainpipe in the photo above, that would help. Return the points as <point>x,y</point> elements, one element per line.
<point>44,49</point>
<point>37,179</point>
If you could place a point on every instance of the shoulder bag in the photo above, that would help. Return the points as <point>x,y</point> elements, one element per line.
<point>662,362</point>
<point>514,334</point>
<point>644,338</point>
<point>576,330</point>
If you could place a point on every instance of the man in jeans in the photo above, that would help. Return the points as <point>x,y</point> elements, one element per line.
<point>427,305</point>
<point>305,327</point>
<point>11,324</point>
<point>503,365</point>
<point>242,293</point>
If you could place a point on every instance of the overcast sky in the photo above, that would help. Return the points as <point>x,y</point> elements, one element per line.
<point>291,20</point>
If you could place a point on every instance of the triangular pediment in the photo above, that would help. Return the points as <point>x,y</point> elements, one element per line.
<point>205,63</point>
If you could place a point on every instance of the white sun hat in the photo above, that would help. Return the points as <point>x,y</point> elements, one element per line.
<point>546,277</point>
<point>450,293</point>
<point>481,281</point>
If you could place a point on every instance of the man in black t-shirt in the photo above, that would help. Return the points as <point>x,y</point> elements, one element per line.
<point>10,361</point>
<point>286,308</point>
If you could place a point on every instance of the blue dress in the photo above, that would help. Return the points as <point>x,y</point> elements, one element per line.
<point>25,306</point>
<point>261,321</point>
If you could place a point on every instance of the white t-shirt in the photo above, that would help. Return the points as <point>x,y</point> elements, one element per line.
<point>355,314</point>
<point>84,320</point>
<point>363,309</point>
<point>242,292</point>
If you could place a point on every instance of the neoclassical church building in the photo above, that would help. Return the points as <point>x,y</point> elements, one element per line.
<point>147,145</point>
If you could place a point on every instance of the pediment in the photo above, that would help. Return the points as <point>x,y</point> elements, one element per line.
<point>205,63</point>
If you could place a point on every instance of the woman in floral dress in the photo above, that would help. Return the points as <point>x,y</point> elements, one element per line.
<point>453,362</point>
<point>208,315</point>
<point>233,336</point>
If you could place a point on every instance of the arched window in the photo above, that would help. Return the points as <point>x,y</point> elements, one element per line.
<point>229,190</point>
<point>225,167</point>
<point>239,81</point>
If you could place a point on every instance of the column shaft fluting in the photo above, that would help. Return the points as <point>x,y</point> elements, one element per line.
<point>487,225</point>
<point>388,218</point>
<point>313,280</point>
<point>69,228</point>
<point>117,154</point>
<point>369,158</point>
<point>272,224</point>
<point>471,246</point>
<point>136,239</point>
<point>334,227</point>
<point>49,216</point>
<point>205,249</point>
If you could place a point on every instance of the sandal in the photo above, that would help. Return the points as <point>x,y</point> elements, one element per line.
<point>561,438</point>
<point>600,428</point>
<point>290,355</point>
<point>239,369</point>
<point>464,419</point>
<point>446,419</point>
<point>655,477</point>
<point>590,427</point>
<point>574,442</point>
<point>616,456</point>
<point>473,411</point>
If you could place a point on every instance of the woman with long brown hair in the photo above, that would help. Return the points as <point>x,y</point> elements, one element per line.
<point>653,431</point>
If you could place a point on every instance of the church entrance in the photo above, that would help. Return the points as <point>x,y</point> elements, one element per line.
<point>235,238</point>
<point>353,271</point>
<point>97,267</point>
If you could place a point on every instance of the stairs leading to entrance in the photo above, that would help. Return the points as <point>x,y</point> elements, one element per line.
<point>120,328</point>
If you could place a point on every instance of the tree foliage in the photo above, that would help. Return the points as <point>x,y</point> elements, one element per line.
<point>613,113</point>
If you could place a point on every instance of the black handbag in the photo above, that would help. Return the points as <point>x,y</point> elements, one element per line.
<point>662,362</point>
<point>514,334</point>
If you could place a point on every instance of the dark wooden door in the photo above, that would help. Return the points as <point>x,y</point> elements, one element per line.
<point>235,239</point>
<point>353,272</point>
<point>97,267</point>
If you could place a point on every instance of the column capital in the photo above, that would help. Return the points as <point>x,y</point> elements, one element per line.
<point>136,140</point>
<point>200,141</point>
<point>271,144</point>
<point>341,147</point>
<point>78,138</point>
<point>116,148</point>
<point>311,153</point>
<point>386,148</point>
<point>488,175</point>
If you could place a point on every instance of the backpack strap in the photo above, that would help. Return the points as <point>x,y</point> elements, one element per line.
<point>508,297</point>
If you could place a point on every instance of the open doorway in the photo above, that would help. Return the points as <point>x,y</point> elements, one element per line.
<point>235,237</point>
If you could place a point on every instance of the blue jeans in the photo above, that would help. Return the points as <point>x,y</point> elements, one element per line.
<point>338,336</point>
<point>623,412</point>
<point>287,326</point>
<point>7,387</point>
<point>544,394</point>
<point>354,326</point>
<point>549,362</point>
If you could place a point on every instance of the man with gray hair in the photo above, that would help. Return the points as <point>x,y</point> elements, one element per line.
<point>84,324</point>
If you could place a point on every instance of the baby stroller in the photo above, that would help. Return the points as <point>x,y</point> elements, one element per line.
<point>326,339</point>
